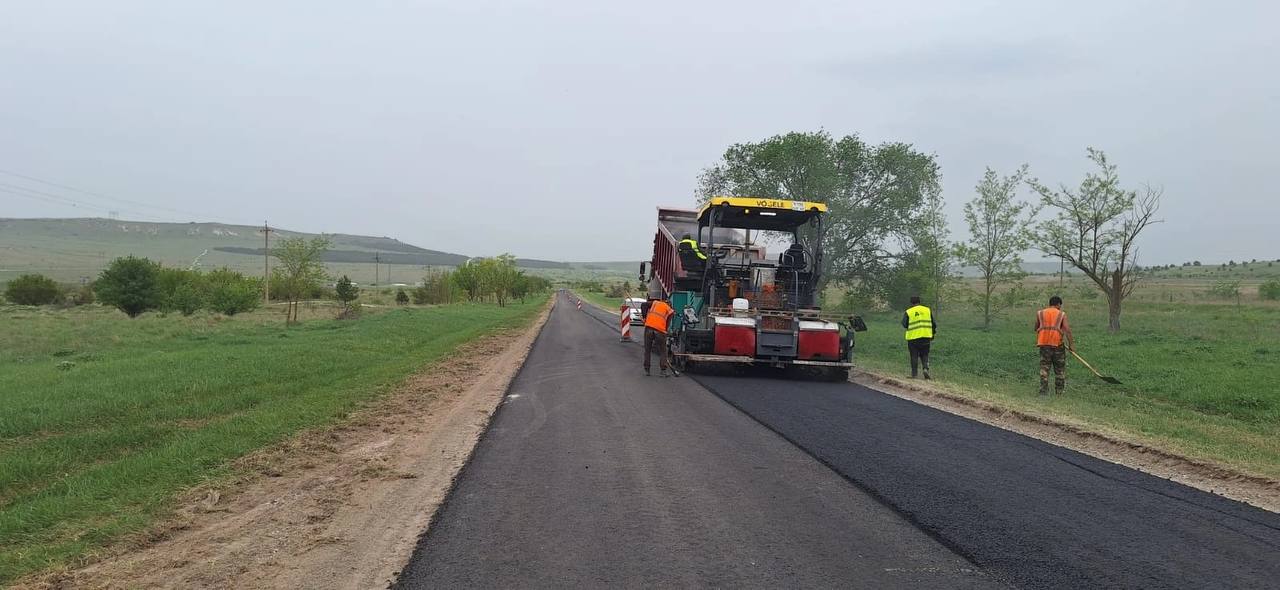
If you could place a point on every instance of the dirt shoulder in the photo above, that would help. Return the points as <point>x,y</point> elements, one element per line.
<point>337,508</point>
<point>1084,438</point>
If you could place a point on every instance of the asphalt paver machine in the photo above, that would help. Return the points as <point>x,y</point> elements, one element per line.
<point>739,304</point>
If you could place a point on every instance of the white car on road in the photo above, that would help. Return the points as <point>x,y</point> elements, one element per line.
<point>633,307</point>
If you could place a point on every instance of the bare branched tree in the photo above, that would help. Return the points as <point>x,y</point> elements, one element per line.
<point>1096,230</point>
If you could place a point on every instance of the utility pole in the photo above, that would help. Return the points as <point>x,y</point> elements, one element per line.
<point>266,263</point>
<point>1062,272</point>
<point>375,269</point>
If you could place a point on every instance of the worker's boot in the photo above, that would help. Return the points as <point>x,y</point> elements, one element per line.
<point>926,374</point>
<point>646,372</point>
<point>1044,389</point>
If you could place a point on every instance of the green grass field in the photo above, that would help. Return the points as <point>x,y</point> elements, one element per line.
<point>598,298</point>
<point>104,419</point>
<point>1198,378</point>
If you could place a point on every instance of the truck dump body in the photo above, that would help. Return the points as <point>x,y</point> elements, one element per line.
<point>674,224</point>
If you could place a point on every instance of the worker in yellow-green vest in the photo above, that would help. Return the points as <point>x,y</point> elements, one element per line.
<point>920,327</point>
<point>692,260</point>
<point>690,244</point>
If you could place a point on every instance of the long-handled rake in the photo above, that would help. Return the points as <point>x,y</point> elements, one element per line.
<point>1111,380</point>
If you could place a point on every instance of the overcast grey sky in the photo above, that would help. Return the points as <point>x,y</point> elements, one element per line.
<point>553,129</point>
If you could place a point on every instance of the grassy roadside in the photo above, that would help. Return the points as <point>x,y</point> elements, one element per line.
<point>1199,379</point>
<point>103,419</point>
<point>600,299</point>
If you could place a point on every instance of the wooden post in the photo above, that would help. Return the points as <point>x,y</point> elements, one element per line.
<point>266,264</point>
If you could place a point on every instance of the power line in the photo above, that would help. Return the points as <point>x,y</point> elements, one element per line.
<point>117,199</point>
<point>61,200</point>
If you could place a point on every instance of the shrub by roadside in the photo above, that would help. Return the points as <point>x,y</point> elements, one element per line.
<point>1270,290</point>
<point>32,289</point>
<point>138,285</point>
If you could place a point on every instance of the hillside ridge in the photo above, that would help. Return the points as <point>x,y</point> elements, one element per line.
<point>82,237</point>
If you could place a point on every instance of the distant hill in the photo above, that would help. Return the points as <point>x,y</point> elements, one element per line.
<point>420,257</point>
<point>74,249</point>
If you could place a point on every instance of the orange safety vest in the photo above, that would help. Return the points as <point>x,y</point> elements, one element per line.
<point>1050,331</point>
<point>659,313</point>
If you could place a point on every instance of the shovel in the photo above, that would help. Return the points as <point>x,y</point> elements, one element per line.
<point>1111,380</point>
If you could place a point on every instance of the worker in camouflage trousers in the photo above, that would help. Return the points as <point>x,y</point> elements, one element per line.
<point>1052,332</point>
<point>657,324</point>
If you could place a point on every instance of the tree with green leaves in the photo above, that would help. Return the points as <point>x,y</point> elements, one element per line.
<point>32,289</point>
<point>467,278</point>
<point>486,278</point>
<point>347,292</point>
<point>934,258</point>
<point>878,197</point>
<point>229,292</point>
<point>131,285</point>
<point>1096,230</point>
<point>999,232</point>
<point>186,298</point>
<point>182,290</point>
<point>502,277</point>
<point>1270,290</point>
<point>438,286</point>
<point>300,270</point>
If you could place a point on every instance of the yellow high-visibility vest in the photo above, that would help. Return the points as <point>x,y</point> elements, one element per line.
<point>693,244</point>
<point>919,323</point>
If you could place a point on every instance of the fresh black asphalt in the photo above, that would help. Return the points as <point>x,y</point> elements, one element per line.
<point>593,475</point>
<point>1025,511</point>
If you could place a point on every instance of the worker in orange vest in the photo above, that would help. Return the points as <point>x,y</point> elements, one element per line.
<point>657,322</point>
<point>1051,327</point>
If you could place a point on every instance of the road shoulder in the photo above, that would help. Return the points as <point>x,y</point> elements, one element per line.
<point>341,507</point>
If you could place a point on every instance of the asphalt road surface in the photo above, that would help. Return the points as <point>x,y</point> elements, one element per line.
<point>594,475</point>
